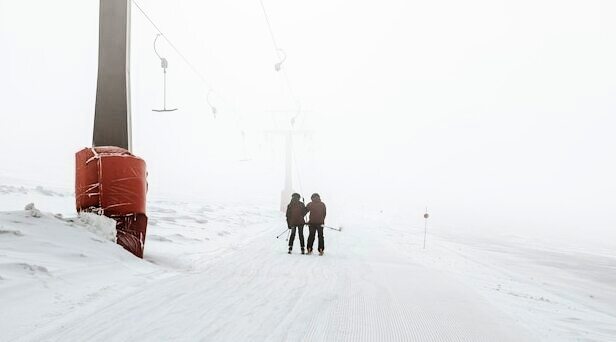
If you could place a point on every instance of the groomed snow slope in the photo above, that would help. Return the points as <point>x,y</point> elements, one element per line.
<point>217,273</point>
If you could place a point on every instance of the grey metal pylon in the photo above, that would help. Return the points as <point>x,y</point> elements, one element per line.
<point>112,115</point>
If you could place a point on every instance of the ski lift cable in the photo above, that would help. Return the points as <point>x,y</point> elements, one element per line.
<point>182,56</point>
<point>282,56</point>
<point>271,31</point>
<point>208,85</point>
<point>280,53</point>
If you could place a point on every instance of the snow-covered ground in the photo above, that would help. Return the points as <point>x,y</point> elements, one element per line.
<point>216,272</point>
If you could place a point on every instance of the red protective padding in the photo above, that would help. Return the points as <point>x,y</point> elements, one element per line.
<point>111,179</point>
<point>87,193</point>
<point>131,232</point>
<point>123,185</point>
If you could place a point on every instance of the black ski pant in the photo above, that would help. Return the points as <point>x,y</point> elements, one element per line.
<point>300,229</point>
<point>314,229</point>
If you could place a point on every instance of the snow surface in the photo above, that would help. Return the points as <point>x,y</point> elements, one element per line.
<point>216,272</point>
<point>100,225</point>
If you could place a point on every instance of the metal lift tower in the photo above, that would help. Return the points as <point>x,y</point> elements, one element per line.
<point>109,179</point>
<point>112,117</point>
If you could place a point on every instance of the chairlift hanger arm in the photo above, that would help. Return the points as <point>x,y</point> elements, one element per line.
<point>163,64</point>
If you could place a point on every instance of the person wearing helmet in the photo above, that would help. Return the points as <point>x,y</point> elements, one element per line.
<point>317,211</point>
<point>295,220</point>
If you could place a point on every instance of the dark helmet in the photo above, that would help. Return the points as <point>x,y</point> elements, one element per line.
<point>315,195</point>
<point>296,195</point>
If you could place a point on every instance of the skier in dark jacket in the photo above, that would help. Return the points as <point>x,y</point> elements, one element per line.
<point>317,211</point>
<point>295,220</point>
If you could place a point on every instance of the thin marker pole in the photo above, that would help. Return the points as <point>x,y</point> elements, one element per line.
<point>426,215</point>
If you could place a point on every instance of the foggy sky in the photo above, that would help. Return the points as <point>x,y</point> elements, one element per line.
<point>494,114</point>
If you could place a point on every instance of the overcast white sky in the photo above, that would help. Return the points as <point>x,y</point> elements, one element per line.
<point>492,113</point>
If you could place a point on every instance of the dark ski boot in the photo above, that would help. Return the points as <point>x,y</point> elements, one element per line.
<point>290,249</point>
<point>303,251</point>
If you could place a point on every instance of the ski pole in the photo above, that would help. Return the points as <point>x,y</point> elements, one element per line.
<point>332,228</point>
<point>281,234</point>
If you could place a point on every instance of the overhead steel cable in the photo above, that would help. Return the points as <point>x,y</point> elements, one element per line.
<point>269,26</point>
<point>190,65</point>
<point>278,51</point>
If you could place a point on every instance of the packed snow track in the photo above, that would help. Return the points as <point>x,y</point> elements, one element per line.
<point>217,273</point>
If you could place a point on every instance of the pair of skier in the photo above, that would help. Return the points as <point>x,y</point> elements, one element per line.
<point>295,221</point>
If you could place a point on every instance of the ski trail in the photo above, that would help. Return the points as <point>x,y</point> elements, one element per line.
<point>361,290</point>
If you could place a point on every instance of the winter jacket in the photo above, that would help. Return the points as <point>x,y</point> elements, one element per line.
<point>295,213</point>
<point>317,211</point>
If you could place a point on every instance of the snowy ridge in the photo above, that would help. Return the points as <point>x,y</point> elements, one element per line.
<point>49,265</point>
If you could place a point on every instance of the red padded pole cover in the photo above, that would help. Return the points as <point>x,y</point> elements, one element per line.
<point>112,181</point>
